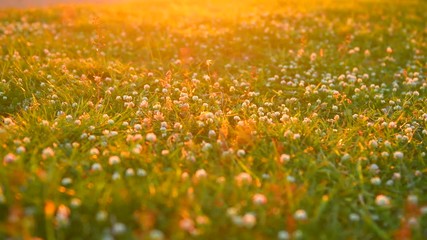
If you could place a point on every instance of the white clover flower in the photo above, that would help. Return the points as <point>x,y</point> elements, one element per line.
<point>354,217</point>
<point>8,121</point>
<point>187,224</point>
<point>259,199</point>
<point>129,172</point>
<point>156,235</point>
<point>96,167</point>
<point>296,136</point>
<point>212,133</point>
<point>9,158</point>
<point>398,155</point>
<point>62,215</point>
<point>413,199</point>
<point>48,153</point>
<point>300,215</point>
<point>137,127</point>
<point>151,137</point>
<point>243,178</point>
<point>284,158</point>
<point>396,176</point>
<point>118,228</point>
<point>374,168</point>
<point>66,181</point>
<point>346,157</point>
<point>94,151</point>
<point>249,220</point>
<point>75,202</point>
<point>201,173</point>
<point>237,220</point>
<point>376,181</point>
<point>382,201</point>
<point>206,147</point>
<point>116,176</point>
<point>241,153</point>
<point>283,235</point>
<point>373,143</point>
<point>113,160</point>
<point>165,152</point>
<point>21,149</point>
<point>141,172</point>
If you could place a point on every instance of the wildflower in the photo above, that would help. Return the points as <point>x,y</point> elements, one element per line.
<point>48,153</point>
<point>382,201</point>
<point>396,176</point>
<point>413,199</point>
<point>8,121</point>
<point>165,152</point>
<point>374,168</point>
<point>283,235</point>
<point>212,133</point>
<point>141,172</point>
<point>389,182</point>
<point>354,217</point>
<point>206,146</point>
<point>118,228</point>
<point>249,220</point>
<point>202,220</point>
<point>243,178</point>
<point>116,176</point>
<point>240,153</point>
<point>94,151</point>
<point>66,181</point>
<point>373,143</point>
<point>137,127</point>
<point>151,137</point>
<point>346,157</point>
<point>129,172</point>
<point>284,158</point>
<point>9,158</point>
<point>300,215</point>
<point>259,199</point>
<point>75,202</point>
<point>201,173</point>
<point>20,149</point>
<point>156,235</point>
<point>187,224</point>
<point>96,167</point>
<point>376,181</point>
<point>101,216</point>
<point>113,160</point>
<point>62,215</point>
<point>398,155</point>
<point>385,154</point>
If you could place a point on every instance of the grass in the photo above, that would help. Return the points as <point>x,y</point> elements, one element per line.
<point>204,119</point>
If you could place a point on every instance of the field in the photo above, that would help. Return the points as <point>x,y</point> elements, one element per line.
<point>214,119</point>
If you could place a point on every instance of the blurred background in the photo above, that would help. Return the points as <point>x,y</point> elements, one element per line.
<point>43,3</point>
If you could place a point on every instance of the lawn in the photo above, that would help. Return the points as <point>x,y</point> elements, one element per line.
<point>214,119</point>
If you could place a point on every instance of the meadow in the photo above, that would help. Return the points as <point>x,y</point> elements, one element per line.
<point>214,119</point>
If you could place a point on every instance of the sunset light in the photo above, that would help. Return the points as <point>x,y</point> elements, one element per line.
<point>217,119</point>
